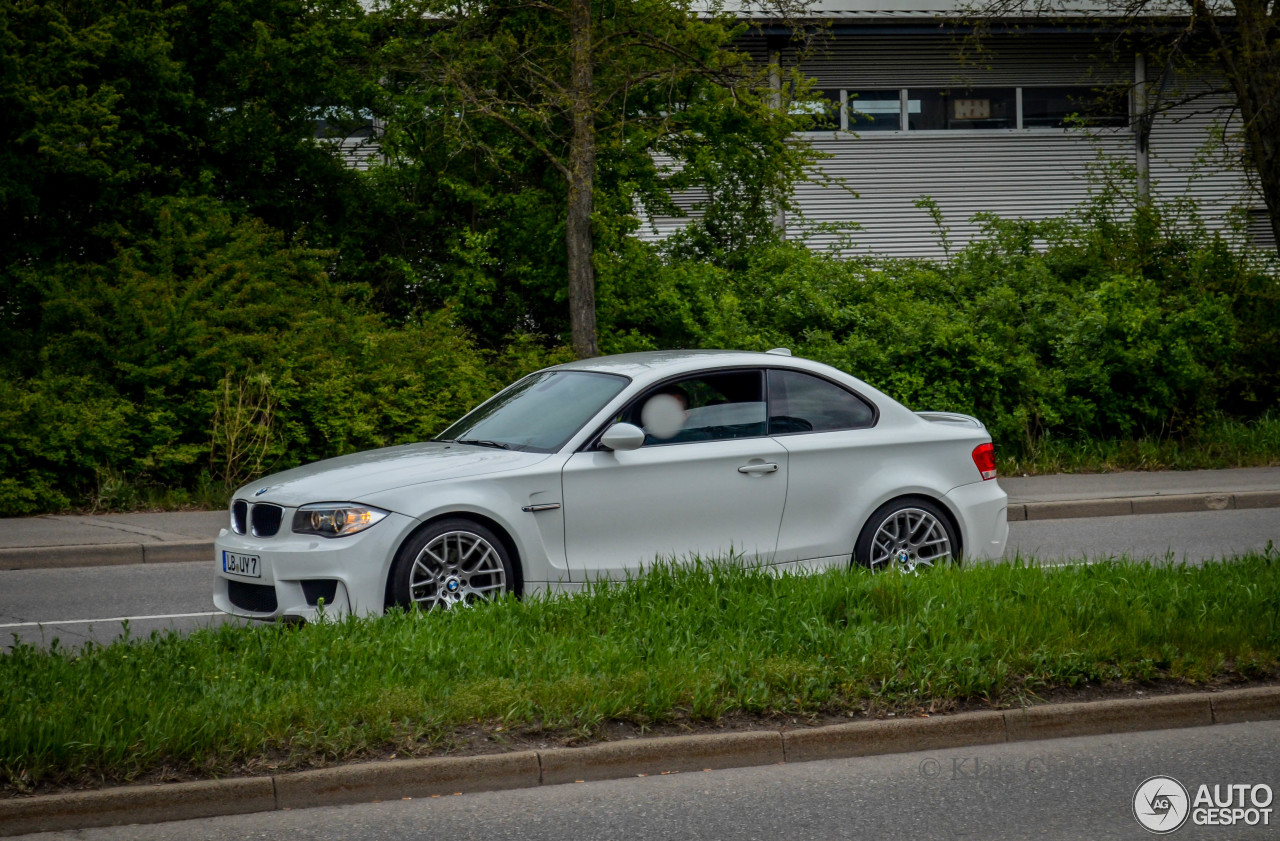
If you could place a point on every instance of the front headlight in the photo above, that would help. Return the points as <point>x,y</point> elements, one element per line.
<point>335,519</point>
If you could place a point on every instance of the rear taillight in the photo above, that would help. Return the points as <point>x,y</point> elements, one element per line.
<point>984,457</point>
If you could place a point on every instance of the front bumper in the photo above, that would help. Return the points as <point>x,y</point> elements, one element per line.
<point>348,573</point>
<point>983,509</point>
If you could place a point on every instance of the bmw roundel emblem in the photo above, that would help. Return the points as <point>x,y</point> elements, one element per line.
<point>261,491</point>
<point>453,585</point>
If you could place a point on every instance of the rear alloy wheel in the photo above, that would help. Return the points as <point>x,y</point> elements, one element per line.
<point>905,535</point>
<point>453,562</point>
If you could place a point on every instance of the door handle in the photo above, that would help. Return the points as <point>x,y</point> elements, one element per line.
<point>761,467</point>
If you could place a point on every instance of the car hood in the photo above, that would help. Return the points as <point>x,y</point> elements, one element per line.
<point>348,478</point>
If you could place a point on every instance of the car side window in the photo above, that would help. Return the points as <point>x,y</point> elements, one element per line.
<point>706,407</point>
<point>801,402</point>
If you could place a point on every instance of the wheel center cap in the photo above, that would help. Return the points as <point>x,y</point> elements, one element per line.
<point>453,584</point>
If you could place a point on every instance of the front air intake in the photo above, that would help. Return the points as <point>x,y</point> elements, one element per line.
<point>256,598</point>
<point>316,590</point>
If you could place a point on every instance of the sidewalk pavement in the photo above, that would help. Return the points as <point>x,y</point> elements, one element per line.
<point>65,540</point>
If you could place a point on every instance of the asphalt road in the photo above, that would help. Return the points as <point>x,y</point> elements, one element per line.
<point>1194,537</point>
<point>75,605</point>
<point>1080,788</point>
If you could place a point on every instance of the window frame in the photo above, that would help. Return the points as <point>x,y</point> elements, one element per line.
<point>904,114</point>
<point>592,444</point>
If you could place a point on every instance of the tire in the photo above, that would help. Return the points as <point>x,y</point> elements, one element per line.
<point>906,535</point>
<point>450,563</point>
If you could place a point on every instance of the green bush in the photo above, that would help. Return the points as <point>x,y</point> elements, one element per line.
<point>211,348</point>
<point>1066,328</point>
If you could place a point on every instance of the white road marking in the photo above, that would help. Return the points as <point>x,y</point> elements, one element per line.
<point>114,619</point>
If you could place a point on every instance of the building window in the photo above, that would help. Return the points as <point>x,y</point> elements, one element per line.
<point>828,119</point>
<point>972,109</point>
<point>874,110</point>
<point>1062,106</point>
<point>824,114</point>
<point>335,123</point>
<point>963,109</point>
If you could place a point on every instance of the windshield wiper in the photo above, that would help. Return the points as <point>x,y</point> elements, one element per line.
<point>481,443</point>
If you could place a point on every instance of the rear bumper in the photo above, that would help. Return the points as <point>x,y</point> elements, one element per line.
<point>982,509</point>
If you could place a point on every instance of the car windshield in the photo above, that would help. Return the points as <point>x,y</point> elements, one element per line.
<point>540,413</point>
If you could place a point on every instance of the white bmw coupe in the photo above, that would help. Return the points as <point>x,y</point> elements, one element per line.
<point>599,467</point>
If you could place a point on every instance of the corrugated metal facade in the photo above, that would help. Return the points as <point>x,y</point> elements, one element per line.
<point>897,61</point>
<point>1032,173</point>
<point>356,152</point>
<point>1187,162</point>
<point>1028,175</point>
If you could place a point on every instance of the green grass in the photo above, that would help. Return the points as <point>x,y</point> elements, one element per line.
<point>1221,443</point>
<point>677,645</point>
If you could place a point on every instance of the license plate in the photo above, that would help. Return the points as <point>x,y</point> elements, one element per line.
<point>237,564</point>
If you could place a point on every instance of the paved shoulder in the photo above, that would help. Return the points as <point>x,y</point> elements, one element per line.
<point>104,539</point>
<point>1079,486</point>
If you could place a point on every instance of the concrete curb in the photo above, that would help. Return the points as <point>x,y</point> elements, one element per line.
<point>1162,504</point>
<point>371,781</point>
<point>615,760</point>
<point>872,738</point>
<point>108,554</point>
<point>137,804</point>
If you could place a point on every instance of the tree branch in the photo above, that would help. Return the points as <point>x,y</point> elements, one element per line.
<point>486,107</point>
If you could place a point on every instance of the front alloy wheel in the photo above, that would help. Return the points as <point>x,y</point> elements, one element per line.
<point>451,563</point>
<point>906,535</point>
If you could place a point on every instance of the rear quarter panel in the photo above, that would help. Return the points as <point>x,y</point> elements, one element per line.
<point>837,479</point>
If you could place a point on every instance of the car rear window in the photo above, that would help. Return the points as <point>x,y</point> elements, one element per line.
<point>800,402</point>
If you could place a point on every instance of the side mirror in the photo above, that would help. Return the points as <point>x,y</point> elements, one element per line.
<point>622,436</point>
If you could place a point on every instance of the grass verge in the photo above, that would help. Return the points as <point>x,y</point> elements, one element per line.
<point>1219,444</point>
<point>679,644</point>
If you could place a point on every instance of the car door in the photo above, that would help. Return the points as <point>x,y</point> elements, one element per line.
<point>709,484</point>
<point>833,451</point>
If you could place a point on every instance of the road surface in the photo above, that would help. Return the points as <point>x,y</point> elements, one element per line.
<point>90,603</point>
<point>1080,788</point>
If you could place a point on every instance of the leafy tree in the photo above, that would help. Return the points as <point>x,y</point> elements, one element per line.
<point>643,96</point>
<point>111,106</point>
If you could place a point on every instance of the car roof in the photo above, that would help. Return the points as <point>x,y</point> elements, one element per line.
<point>645,364</point>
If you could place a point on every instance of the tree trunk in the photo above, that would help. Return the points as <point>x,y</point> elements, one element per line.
<point>1264,153</point>
<point>582,171</point>
<point>1257,88</point>
<point>1251,61</point>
